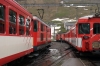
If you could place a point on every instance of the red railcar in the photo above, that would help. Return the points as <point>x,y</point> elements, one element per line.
<point>84,35</point>
<point>17,32</point>
<point>48,35</point>
<point>60,37</point>
<point>15,38</point>
<point>41,33</point>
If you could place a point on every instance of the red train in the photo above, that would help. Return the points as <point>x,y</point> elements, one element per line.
<point>60,37</point>
<point>41,33</point>
<point>85,34</point>
<point>21,33</point>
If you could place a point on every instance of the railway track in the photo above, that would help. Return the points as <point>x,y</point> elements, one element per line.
<point>95,61</point>
<point>87,59</point>
<point>49,56</point>
<point>90,59</point>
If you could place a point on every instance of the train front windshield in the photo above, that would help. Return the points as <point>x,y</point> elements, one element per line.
<point>84,28</point>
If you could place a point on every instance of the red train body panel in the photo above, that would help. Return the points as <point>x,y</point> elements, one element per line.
<point>18,36</point>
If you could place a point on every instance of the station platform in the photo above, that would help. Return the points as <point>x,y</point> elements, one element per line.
<point>73,62</point>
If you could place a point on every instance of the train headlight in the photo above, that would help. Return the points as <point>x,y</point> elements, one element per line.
<point>85,37</point>
<point>96,44</point>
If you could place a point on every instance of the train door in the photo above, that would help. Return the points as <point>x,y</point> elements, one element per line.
<point>2,18</point>
<point>76,34</point>
<point>46,34</point>
<point>12,22</point>
<point>34,33</point>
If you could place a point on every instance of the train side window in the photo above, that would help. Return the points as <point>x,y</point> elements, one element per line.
<point>21,25</point>
<point>27,22</point>
<point>12,23</point>
<point>42,26</point>
<point>21,31</point>
<point>27,26</point>
<point>12,16</point>
<point>2,12</point>
<point>12,30</point>
<point>35,28</point>
<point>27,32</point>
<point>2,18</point>
<point>96,28</point>
<point>21,20</point>
<point>41,36</point>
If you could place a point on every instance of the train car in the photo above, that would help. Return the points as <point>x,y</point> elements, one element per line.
<point>15,38</point>
<point>17,32</point>
<point>48,34</point>
<point>41,33</point>
<point>85,34</point>
<point>67,36</point>
<point>60,37</point>
<point>63,37</point>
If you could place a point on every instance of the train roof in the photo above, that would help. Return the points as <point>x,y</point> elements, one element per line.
<point>36,18</point>
<point>96,15</point>
<point>18,6</point>
<point>87,17</point>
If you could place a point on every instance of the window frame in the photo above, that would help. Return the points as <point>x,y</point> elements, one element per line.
<point>13,22</point>
<point>27,26</point>
<point>12,12</point>
<point>21,21</point>
<point>21,25</point>
<point>3,12</point>
<point>98,25</point>
<point>35,26</point>
<point>42,36</point>
<point>80,27</point>
<point>2,20</point>
<point>42,27</point>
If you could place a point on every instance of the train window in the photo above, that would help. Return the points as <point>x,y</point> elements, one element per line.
<point>12,23</point>
<point>12,16</point>
<point>21,31</point>
<point>84,28</point>
<point>2,28</point>
<point>27,32</point>
<point>96,28</point>
<point>42,27</point>
<point>12,30</point>
<point>2,17</point>
<point>27,26</point>
<point>41,36</point>
<point>35,26</point>
<point>27,22</point>
<point>21,23</point>
<point>2,12</point>
<point>21,20</point>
